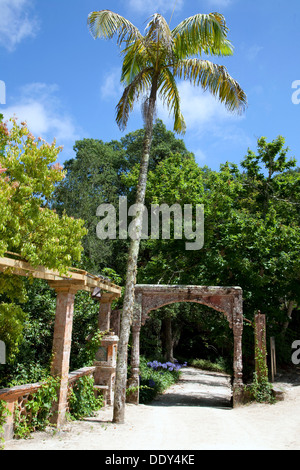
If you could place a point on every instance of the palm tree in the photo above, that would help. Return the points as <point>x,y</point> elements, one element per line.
<point>151,64</point>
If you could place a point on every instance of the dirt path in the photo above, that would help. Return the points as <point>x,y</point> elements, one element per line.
<point>194,414</point>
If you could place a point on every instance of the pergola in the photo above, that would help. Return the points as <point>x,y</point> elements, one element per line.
<point>66,287</point>
<point>228,300</point>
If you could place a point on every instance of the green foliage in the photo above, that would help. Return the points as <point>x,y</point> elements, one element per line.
<point>3,415</point>
<point>38,410</point>
<point>86,354</point>
<point>218,366</point>
<point>83,401</point>
<point>86,337</point>
<point>261,390</point>
<point>28,226</point>
<point>164,145</point>
<point>152,62</point>
<point>252,239</point>
<point>92,178</point>
<point>252,233</point>
<point>32,363</point>
<point>12,320</point>
<point>96,176</point>
<point>153,382</point>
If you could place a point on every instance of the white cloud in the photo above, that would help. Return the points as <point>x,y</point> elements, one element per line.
<point>111,87</point>
<point>252,52</point>
<point>39,105</point>
<point>154,6</point>
<point>16,22</point>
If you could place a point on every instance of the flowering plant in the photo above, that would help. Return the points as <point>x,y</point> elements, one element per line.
<point>156,377</point>
<point>170,366</point>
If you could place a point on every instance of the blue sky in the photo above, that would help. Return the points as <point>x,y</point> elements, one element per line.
<point>66,84</point>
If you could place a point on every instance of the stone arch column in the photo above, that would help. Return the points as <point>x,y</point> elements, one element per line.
<point>228,300</point>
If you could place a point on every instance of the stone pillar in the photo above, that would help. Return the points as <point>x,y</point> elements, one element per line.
<point>106,356</point>
<point>62,345</point>
<point>261,368</point>
<point>238,352</point>
<point>105,311</point>
<point>104,316</point>
<point>115,321</point>
<point>105,363</point>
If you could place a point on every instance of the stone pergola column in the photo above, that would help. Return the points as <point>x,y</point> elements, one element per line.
<point>105,359</point>
<point>105,311</point>
<point>62,339</point>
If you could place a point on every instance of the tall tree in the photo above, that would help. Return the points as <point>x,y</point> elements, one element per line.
<point>27,225</point>
<point>151,64</point>
<point>92,178</point>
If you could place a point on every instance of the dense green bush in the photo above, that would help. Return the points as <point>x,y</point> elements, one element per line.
<point>83,401</point>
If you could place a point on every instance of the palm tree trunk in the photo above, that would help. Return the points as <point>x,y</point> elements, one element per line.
<point>121,371</point>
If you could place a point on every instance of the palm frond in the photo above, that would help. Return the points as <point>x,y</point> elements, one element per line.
<point>202,34</point>
<point>138,86</point>
<point>169,94</point>
<point>214,78</point>
<point>159,34</point>
<point>135,60</point>
<point>105,24</point>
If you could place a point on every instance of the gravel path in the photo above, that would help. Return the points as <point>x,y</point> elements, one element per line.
<point>194,414</point>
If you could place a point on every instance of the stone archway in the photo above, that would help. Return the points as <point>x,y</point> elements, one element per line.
<point>228,300</point>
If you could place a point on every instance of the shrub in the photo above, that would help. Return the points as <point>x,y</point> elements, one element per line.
<point>83,401</point>
<point>38,410</point>
<point>260,390</point>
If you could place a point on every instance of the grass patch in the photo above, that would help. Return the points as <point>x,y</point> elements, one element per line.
<point>204,364</point>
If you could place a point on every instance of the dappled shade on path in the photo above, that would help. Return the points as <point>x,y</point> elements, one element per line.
<point>198,388</point>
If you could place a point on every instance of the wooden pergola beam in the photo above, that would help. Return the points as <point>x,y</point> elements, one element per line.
<point>83,279</point>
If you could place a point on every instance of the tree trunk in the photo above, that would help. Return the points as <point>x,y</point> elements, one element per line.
<point>126,319</point>
<point>290,308</point>
<point>169,343</point>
